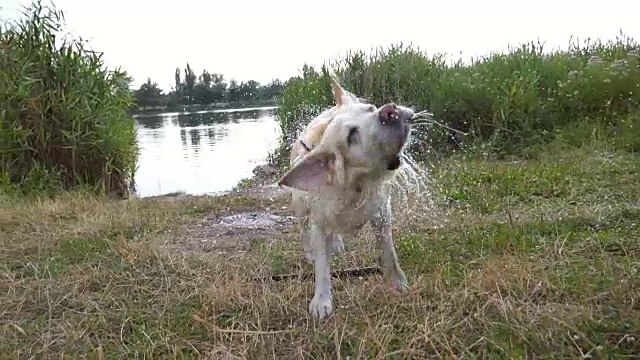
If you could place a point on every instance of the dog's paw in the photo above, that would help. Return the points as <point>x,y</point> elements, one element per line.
<point>320,307</point>
<point>399,282</point>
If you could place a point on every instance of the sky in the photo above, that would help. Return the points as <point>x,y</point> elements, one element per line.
<point>262,40</point>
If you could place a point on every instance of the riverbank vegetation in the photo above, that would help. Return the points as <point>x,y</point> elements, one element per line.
<point>530,249</point>
<point>505,102</point>
<point>64,116</point>
<point>207,90</point>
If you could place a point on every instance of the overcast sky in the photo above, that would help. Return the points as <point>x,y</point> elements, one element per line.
<point>261,40</point>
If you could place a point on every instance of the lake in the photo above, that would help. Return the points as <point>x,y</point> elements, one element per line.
<point>202,152</point>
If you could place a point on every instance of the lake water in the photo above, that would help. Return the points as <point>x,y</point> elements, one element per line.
<point>202,152</point>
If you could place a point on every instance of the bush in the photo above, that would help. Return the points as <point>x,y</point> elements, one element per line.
<point>506,101</point>
<point>64,121</point>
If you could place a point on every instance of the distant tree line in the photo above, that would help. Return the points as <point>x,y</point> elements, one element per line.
<point>207,88</point>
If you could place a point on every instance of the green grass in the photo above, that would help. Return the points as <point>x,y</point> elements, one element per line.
<point>64,123</point>
<point>531,257</point>
<point>503,101</point>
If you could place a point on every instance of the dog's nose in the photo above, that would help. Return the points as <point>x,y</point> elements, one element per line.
<point>388,113</point>
<point>408,114</point>
<point>391,113</point>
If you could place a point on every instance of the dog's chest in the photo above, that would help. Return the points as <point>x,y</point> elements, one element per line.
<point>350,216</point>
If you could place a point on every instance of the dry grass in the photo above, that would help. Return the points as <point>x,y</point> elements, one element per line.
<point>537,259</point>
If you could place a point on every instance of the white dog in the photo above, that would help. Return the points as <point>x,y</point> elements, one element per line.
<point>341,166</point>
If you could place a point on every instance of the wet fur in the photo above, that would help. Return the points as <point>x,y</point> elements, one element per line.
<point>335,191</point>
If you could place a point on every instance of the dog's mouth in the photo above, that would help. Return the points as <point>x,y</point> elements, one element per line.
<point>394,163</point>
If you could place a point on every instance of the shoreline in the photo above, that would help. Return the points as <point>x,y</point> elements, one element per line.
<point>260,184</point>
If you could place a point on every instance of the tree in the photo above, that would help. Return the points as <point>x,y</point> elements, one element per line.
<point>271,91</point>
<point>202,92</point>
<point>149,94</point>
<point>207,88</point>
<point>189,83</point>
<point>219,87</point>
<point>178,80</point>
<point>249,90</point>
<point>233,93</point>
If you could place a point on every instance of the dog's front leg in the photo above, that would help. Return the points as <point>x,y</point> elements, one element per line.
<point>321,305</point>
<point>381,225</point>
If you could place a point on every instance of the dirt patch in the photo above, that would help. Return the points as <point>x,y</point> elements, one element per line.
<point>233,231</point>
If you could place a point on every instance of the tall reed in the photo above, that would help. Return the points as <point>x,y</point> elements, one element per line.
<point>64,120</point>
<point>504,101</point>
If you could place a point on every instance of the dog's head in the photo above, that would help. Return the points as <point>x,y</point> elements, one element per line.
<point>361,145</point>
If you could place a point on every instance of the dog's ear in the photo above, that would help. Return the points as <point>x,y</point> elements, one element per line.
<point>316,171</point>
<point>340,95</point>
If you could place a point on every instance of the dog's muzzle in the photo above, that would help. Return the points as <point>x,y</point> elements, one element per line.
<point>391,114</point>
<point>397,120</point>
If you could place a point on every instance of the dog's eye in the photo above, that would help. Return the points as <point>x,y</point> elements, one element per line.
<point>352,138</point>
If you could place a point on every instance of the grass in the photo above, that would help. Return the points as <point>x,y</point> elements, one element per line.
<point>504,101</point>
<point>64,123</point>
<point>532,257</point>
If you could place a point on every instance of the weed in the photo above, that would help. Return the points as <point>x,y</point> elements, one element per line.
<point>504,101</point>
<point>65,121</point>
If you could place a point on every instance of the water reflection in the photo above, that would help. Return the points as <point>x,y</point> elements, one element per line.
<point>152,122</point>
<point>202,152</point>
<point>195,138</point>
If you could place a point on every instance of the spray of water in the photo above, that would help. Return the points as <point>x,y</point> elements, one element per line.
<point>413,194</point>
<point>414,191</point>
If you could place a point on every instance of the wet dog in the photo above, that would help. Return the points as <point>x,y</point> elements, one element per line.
<point>341,166</point>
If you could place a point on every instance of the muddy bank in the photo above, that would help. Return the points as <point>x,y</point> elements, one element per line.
<point>234,230</point>
<point>234,233</point>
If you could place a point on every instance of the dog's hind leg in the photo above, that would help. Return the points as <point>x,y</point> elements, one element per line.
<point>338,244</point>
<point>300,207</point>
<point>381,225</point>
